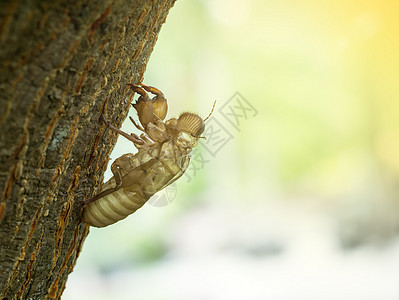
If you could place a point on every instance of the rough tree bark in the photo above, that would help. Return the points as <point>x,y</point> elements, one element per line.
<point>62,64</point>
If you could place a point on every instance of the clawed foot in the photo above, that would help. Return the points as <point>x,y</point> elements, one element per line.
<point>103,119</point>
<point>137,89</point>
<point>140,88</point>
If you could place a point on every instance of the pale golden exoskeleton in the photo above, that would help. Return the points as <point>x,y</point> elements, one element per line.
<point>162,157</point>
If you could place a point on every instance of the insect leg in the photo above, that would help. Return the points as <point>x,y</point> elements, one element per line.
<point>118,179</point>
<point>135,124</point>
<point>143,106</point>
<point>134,138</point>
<point>147,139</point>
<point>158,122</point>
<point>139,90</point>
<point>152,90</point>
<point>157,133</point>
<point>159,102</point>
<point>138,174</point>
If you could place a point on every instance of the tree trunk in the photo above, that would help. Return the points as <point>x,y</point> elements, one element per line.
<point>63,63</point>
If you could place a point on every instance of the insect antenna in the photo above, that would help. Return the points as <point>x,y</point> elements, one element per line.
<point>213,107</point>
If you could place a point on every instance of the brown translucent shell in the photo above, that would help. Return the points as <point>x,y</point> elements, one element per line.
<point>145,111</point>
<point>191,123</point>
<point>160,107</point>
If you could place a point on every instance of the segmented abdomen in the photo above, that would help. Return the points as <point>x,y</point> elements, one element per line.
<point>112,208</point>
<point>155,170</point>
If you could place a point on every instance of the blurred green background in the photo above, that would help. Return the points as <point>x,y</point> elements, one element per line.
<point>301,202</point>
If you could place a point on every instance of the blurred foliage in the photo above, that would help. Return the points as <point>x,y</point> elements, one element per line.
<point>316,170</point>
<point>323,77</point>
